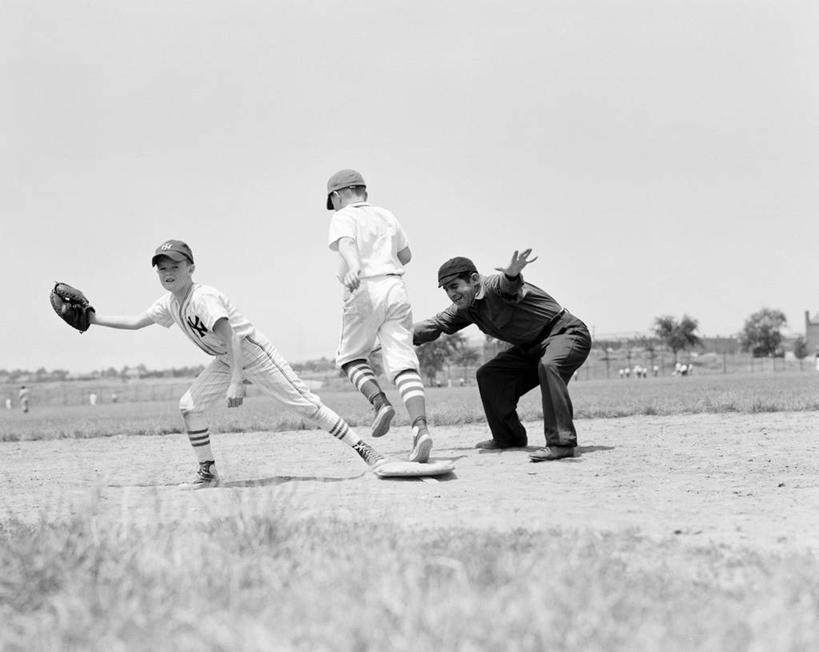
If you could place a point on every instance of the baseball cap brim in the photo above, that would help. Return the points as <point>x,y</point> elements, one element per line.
<point>443,281</point>
<point>173,255</point>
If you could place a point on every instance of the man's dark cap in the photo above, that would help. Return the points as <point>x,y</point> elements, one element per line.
<point>453,268</point>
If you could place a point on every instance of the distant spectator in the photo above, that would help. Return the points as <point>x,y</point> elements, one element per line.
<point>656,370</point>
<point>24,398</point>
<point>114,397</point>
<point>8,403</point>
<point>92,398</point>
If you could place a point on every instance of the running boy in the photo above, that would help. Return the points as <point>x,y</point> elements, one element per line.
<point>373,250</point>
<point>240,351</point>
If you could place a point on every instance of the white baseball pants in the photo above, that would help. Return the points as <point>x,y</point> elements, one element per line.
<point>379,310</point>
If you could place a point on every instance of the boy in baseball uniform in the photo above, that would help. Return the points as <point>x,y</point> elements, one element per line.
<point>239,352</point>
<point>374,250</point>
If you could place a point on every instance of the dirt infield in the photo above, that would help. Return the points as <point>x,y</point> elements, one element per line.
<point>746,480</point>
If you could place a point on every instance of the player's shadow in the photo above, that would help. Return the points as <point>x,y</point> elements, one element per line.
<point>582,450</point>
<point>282,479</point>
<point>447,477</point>
<point>447,458</point>
<point>257,482</point>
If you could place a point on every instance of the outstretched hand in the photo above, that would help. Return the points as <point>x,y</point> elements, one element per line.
<point>518,262</point>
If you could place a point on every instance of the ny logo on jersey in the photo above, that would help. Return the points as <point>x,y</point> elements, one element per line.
<point>198,326</point>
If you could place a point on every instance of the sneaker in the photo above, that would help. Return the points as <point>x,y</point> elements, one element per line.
<point>206,477</point>
<point>383,417</point>
<point>371,456</point>
<point>421,447</point>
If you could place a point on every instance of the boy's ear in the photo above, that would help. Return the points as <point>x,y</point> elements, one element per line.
<point>192,267</point>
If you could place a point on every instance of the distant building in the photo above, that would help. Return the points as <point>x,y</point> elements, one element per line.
<point>812,333</point>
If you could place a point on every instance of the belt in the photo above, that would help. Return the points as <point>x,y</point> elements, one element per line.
<point>547,329</point>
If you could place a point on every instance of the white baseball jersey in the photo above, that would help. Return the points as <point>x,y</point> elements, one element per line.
<point>197,313</point>
<point>377,234</point>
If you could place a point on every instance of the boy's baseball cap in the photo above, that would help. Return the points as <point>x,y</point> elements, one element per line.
<point>343,179</point>
<point>453,267</point>
<point>175,250</point>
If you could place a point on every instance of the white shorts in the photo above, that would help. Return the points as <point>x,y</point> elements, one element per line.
<point>378,311</point>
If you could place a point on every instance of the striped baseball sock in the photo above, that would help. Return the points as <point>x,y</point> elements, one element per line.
<point>341,430</point>
<point>336,426</point>
<point>361,375</point>
<point>411,388</point>
<point>200,440</point>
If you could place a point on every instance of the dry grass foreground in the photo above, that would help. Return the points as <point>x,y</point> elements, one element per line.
<point>737,480</point>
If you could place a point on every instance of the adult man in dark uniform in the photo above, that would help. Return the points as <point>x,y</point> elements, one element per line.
<point>548,345</point>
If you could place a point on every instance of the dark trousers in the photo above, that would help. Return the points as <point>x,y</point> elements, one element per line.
<point>550,364</point>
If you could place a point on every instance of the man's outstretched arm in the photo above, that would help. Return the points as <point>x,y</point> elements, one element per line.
<point>448,321</point>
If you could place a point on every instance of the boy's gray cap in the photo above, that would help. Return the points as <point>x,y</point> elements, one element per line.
<point>343,179</point>
<point>453,267</point>
<point>175,250</point>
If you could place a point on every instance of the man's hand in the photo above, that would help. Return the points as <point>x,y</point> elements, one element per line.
<point>351,279</point>
<point>235,394</point>
<point>518,263</point>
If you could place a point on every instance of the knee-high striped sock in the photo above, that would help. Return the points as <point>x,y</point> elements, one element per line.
<point>336,426</point>
<point>362,376</point>
<point>411,388</point>
<point>340,429</point>
<point>200,440</point>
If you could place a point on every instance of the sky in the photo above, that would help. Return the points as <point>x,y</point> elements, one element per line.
<point>659,157</point>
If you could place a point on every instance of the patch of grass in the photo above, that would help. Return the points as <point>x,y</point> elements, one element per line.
<point>262,579</point>
<point>749,393</point>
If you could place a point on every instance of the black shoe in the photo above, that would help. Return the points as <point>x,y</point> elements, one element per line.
<point>371,456</point>
<point>493,445</point>
<point>206,477</point>
<point>552,453</point>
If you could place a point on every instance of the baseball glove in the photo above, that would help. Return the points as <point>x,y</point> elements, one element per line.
<point>72,306</point>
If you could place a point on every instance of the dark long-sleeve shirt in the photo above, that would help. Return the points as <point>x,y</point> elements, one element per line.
<point>507,309</point>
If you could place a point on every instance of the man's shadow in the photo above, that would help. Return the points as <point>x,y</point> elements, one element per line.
<point>578,452</point>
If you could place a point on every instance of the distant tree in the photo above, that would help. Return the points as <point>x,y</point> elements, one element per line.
<point>761,334</point>
<point>60,374</point>
<point>677,335</point>
<point>434,356</point>
<point>465,357</point>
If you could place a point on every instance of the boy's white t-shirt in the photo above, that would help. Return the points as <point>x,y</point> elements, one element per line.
<point>377,234</point>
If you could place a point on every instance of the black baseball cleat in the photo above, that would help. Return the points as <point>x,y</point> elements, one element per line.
<point>206,477</point>
<point>371,456</point>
